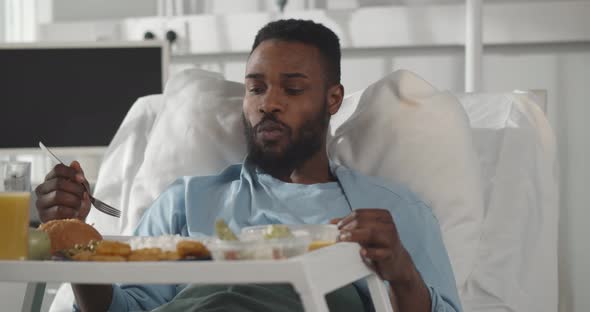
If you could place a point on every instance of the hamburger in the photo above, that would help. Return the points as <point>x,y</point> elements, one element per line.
<point>66,234</point>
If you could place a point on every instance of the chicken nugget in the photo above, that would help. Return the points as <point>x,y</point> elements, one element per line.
<point>107,258</point>
<point>169,256</point>
<point>189,248</point>
<point>83,255</point>
<point>113,248</point>
<point>145,254</point>
<point>147,251</point>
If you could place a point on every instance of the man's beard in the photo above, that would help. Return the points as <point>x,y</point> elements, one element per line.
<point>308,142</point>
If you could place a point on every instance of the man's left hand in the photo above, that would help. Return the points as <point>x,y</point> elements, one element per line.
<point>381,248</point>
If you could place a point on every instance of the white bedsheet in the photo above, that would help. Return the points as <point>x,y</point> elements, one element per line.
<point>516,268</point>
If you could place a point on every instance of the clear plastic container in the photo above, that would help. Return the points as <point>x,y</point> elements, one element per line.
<point>254,247</point>
<point>321,235</point>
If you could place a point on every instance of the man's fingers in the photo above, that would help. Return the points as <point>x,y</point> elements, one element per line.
<point>368,237</point>
<point>61,171</point>
<point>374,216</point>
<point>62,185</point>
<point>85,207</point>
<point>367,217</point>
<point>57,213</point>
<point>79,177</point>
<point>350,225</point>
<point>64,194</point>
<point>58,198</point>
<point>370,263</point>
<point>344,221</point>
<point>376,254</point>
<point>72,172</point>
<point>335,221</point>
<point>372,210</point>
<point>76,165</point>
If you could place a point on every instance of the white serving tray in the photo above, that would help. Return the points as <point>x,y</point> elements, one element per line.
<point>313,275</point>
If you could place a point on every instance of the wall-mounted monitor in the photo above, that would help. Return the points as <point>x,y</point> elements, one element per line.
<point>74,94</point>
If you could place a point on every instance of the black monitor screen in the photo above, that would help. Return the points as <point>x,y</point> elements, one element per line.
<point>72,96</point>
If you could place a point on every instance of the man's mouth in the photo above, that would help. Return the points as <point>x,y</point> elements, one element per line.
<point>270,131</point>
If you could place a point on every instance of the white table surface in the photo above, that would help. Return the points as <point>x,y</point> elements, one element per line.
<point>317,272</point>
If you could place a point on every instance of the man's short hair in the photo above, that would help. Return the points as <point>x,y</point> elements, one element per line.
<point>307,32</point>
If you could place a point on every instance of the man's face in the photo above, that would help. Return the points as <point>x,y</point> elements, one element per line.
<point>285,108</point>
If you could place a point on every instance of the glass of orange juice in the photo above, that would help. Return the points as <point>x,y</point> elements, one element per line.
<point>15,198</point>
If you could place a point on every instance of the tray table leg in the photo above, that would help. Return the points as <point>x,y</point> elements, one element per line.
<point>314,302</point>
<point>33,297</point>
<point>379,294</point>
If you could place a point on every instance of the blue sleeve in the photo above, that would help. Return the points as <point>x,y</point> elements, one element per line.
<point>425,245</point>
<point>164,217</point>
<point>167,215</point>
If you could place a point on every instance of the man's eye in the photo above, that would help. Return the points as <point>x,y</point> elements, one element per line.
<point>255,90</point>
<point>293,91</point>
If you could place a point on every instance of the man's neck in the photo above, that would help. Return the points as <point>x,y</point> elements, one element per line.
<point>314,170</point>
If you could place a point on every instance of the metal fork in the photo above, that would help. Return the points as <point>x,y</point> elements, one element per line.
<point>98,204</point>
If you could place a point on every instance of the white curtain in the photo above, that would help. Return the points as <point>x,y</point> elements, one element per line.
<point>19,20</point>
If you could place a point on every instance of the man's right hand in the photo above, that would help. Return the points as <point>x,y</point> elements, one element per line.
<point>62,195</point>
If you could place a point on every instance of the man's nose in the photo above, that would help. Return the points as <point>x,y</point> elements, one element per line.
<point>271,103</point>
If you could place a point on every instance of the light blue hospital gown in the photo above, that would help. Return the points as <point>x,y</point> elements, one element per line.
<point>244,197</point>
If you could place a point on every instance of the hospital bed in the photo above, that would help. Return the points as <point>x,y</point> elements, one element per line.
<point>485,163</point>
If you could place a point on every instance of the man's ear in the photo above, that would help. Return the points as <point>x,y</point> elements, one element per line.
<point>335,95</point>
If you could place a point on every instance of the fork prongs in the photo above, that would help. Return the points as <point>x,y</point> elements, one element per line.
<point>101,206</point>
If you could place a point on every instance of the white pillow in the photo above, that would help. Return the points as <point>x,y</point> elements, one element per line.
<point>125,153</point>
<point>199,132</point>
<point>402,128</point>
<point>122,161</point>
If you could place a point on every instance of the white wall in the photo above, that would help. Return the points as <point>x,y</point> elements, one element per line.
<point>441,66</point>
<point>75,10</point>
<point>2,20</point>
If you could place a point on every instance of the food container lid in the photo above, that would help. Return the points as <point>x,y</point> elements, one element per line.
<point>317,232</point>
